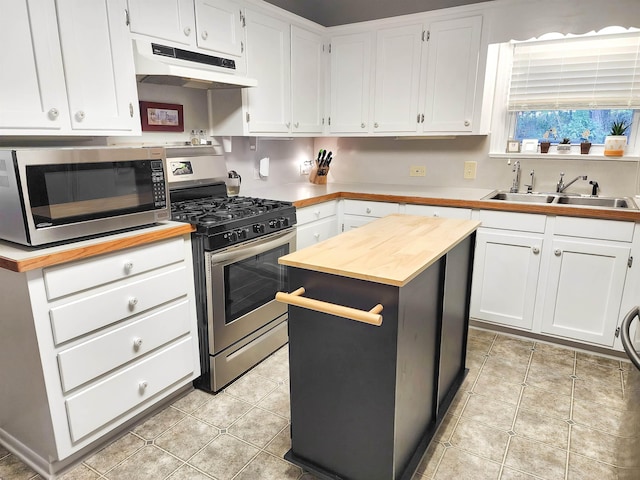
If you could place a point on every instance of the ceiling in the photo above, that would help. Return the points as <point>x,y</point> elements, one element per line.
<point>330,13</point>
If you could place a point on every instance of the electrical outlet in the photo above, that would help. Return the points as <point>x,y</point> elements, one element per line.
<point>470,170</point>
<point>417,171</point>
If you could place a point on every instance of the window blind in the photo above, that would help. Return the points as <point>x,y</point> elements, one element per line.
<point>579,73</point>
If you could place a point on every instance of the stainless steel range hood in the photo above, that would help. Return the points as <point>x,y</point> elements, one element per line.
<point>165,65</point>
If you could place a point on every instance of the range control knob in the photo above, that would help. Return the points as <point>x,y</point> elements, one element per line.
<point>284,221</point>
<point>230,237</point>
<point>258,228</point>
<point>274,223</point>
<point>241,233</point>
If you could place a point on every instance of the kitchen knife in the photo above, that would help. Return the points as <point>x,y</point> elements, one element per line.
<point>318,159</point>
<point>328,160</point>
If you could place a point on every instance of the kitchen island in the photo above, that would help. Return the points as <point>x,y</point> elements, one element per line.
<point>377,343</point>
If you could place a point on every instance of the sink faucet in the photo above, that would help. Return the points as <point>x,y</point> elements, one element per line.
<point>561,186</point>
<point>515,186</point>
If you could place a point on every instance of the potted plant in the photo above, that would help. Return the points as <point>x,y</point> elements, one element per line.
<point>545,143</point>
<point>565,145</point>
<point>585,144</point>
<point>616,141</point>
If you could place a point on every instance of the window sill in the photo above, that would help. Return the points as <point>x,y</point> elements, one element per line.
<point>565,156</point>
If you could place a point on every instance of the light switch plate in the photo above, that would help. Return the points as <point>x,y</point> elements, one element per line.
<point>470,170</point>
<point>417,171</point>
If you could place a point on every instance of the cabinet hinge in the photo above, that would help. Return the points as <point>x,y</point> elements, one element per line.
<point>242,19</point>
<point>248,117</point>
<point>127,21</point>
<point>617,332</point>
<point>329,121</point>
<point>241,47</point>
<point>630,262</point>
<point>322,120</point>
<point>329,48</point>
<point>342,228</point>
<point>428,36</point>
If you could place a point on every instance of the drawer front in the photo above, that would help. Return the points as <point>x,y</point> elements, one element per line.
<point>106,400</point>
<point>111,350</point>
<point>369,209</point>
<point>522,222</point>
<point>74,277</point>
<point>316,232</point>
<point>437,211</point>
<point>316,212</point>
<point>594,228</point>
<point>96,311</point>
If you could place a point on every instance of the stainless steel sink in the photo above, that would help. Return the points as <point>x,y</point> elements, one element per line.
<point>563,199</point>
<point>609,202</point>
<point>522,197</point>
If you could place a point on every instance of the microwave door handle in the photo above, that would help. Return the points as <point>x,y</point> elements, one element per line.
<point>249,251</point>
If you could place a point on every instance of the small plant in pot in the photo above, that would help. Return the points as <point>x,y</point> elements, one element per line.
<point>565,145</point>
<point>616,141</point>
<point>545,143</point>
<point>585,144</point>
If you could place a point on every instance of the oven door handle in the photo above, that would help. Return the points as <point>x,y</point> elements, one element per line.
<point>251,250</point>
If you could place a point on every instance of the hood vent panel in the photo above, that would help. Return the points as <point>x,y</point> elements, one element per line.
<point>165,65</point>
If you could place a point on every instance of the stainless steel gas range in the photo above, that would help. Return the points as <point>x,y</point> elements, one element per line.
<point>236,247</point>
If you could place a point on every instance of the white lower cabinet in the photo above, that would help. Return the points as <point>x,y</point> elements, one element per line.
<point>505,277</point>
<point>360,212</point>
<point>316,223</point>
<point>90,356</point>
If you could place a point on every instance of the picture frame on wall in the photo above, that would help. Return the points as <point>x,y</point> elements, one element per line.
<point>161,117</point>
<point>513,146</point>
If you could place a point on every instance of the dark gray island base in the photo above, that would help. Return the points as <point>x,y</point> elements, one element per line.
<point>366,400</point>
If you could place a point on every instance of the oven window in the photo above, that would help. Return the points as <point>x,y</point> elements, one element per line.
<point>254,281</point>
<point>62,194</point>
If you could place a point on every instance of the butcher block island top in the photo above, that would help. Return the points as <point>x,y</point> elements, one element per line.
<point>391,250</point>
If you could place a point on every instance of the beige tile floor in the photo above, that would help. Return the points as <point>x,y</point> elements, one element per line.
<point>525,411</point>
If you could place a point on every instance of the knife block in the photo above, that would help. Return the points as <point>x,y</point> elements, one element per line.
<point>318,176</point>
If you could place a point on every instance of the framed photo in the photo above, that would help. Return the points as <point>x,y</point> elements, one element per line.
<point>513,146</point>
<point>161,117</point>
<point>530,145</point>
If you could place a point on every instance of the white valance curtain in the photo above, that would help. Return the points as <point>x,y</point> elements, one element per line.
<point>580,73</point>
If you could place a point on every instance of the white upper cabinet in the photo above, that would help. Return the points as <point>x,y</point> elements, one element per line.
<point>350,78</point>
<point>397,79</point>
<point>98,64</point>
<point>32,89</point>
<point>307,81</point>
<point>219,26</point>
<point>69,70</point>
<point>268,106</point>
<point>171,20</point>
<point>452,52</point>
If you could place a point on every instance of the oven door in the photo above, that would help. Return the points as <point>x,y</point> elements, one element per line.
<point>241,284</point>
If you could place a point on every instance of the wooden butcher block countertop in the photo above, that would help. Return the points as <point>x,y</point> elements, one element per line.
<point>391,250</point>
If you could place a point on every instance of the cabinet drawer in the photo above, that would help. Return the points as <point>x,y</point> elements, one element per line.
<point>369,209</point>
<point>96,311</point>
<point>102,354</point>
<point>437,211</point>
<point>316,232</point>
<point>106,400</point>
<point>316,212</point>
<point>73,277</point>
<point>523,222</point>
<point>594,228</point>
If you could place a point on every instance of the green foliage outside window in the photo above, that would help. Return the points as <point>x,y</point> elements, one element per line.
<point>569,124</point>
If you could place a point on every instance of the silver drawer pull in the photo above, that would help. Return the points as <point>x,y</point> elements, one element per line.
<point>368,210</point>
<point>316,235</point>
<point>536,250</point>
<point>557,252</point>
<point>133,301</point>
<point>187,31</point>
<point>128,266</point>
<point>137,343</point>
<point>53,113</point>
<point>142,386</point>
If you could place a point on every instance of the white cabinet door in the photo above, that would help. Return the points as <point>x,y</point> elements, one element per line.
<point>219,26</point>
<point>350,77</point>
<point>584,290</point>
<point>452,65</point>
<point>316,232</point>
<point>505,277</point>
<point>98,64</point>
<point>307,81</point>
<point>397,79</point>
<point>32,88</point>
<point>268,61</point>
<point>171,20</point>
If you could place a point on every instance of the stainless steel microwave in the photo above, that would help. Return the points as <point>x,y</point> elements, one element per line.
<point>51,195</point>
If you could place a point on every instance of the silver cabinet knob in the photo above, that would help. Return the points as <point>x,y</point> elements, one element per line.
<point>53,113</point>
<point>133,301</point>
<point>368,210</point>
<point>128,267</point>
<point>142,386</point>
<point>288,124</point>
<point>297,124</point>
<point>317,213</point>
<point>557,252</point>
<point>467,123</point>
<point>436,214</point>
<point>187,31</point>
<point>535,250</point>
<point>363,125</point>
<point>375,125</point>
<point>137,343</point>
<point>204,35</point>
<point>316,236</point>
<point>80,115</point>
